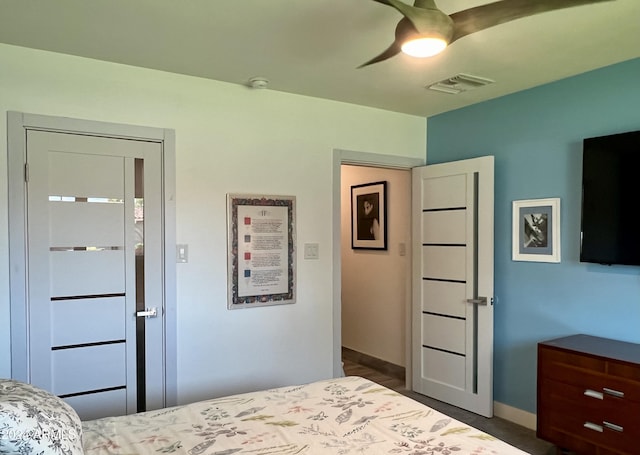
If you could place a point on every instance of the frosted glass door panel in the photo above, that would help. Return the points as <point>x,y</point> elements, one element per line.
<point>444,368</point>
<point>98,405</point>
<point>83,321</point>
<point>444,192</point>
<point>444,297</point>
<point>444,262</point>
<point>76,273</point>
<point>447,226</point>
<point>86,224</point>
<point>101,176</point>
<point>88,368</point>
<point>440,333</point>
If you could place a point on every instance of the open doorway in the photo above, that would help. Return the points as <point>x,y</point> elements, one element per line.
<point>376,282</point>
<point>372,293</point>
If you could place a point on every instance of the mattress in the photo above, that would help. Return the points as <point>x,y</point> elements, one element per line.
<point>349,415</point>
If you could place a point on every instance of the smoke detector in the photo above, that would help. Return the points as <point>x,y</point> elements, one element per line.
<point>460,83</point>
<point>258,82</point>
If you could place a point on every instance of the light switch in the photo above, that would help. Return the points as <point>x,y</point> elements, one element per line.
<point>182,253</point>
<point>311,251</point>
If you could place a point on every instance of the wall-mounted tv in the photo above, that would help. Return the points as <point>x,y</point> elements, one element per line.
<point>610,232</point>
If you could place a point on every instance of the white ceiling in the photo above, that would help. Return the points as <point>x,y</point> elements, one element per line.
<point>313,48</point>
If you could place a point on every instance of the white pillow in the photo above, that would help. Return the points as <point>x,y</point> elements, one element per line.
<point>33,421</point>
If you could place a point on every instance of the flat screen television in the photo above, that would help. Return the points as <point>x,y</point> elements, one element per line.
<point>610,231</point>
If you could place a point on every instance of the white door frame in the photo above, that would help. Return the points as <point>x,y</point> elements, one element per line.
<point>341,157</point>
<point>17,125</point>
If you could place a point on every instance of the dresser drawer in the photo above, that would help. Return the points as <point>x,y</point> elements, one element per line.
<point>589,395</point>
<point>594,433</point>
<point>590,373</point>
<point>568,399</point>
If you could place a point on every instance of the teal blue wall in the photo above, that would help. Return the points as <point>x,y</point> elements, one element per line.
<point>536,138</point>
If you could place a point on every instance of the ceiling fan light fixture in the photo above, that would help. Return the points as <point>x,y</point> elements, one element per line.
<point>423,46</point>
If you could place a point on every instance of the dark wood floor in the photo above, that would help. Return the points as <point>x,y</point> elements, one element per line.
<point>516,435</point>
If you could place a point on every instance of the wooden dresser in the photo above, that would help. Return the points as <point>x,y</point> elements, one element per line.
<point>589,395</point>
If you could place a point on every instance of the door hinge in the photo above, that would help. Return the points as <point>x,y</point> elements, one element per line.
<point>26,172</point>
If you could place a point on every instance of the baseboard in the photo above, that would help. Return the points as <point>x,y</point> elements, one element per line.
<point>515,415</point>
<point>388,368</point>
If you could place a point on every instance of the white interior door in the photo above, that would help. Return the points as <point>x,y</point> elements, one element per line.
<point>452,231</point>
<point>94,269</point>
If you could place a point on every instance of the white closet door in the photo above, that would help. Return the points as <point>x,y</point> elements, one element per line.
<point>87,274</point>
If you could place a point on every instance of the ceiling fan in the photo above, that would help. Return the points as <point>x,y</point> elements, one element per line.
<point>425,31</point>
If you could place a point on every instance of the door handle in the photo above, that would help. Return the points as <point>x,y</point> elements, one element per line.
<point>478,301</point>
<point>148,313</point>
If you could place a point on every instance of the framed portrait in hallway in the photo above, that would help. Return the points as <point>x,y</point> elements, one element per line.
<point>369,216</point>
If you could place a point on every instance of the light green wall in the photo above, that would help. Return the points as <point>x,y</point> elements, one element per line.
<point>229,139</point>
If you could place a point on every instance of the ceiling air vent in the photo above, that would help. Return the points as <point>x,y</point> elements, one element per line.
<point>459,83</point>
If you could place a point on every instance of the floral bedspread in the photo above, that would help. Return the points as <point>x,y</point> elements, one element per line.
<point>339,416</point>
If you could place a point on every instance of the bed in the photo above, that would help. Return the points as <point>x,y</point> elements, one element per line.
<point>349,415</point>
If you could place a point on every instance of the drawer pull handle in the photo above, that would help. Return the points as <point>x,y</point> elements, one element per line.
<point>593,426</point>
<point>594,394</point>
<point>614,393</point>
<point>613,426</point>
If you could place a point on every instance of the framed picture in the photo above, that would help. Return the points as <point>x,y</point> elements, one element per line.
<point>261,250</point>
<point>536,230</point>
<point>369,216</point>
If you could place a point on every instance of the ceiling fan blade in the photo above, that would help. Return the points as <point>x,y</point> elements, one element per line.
<point>403,29</point>
<point>421,18</point>
<point>484,16</point>
<point>392,50</point>
<point>410,12</point>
